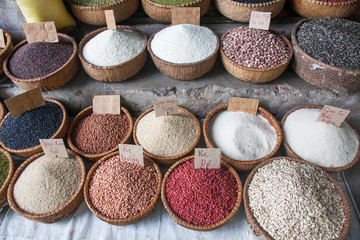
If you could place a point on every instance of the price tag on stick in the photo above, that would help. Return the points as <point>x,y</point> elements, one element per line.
<point>207,158</point>
<point>333,115</point>
<point>185,15</point>
<point>110,19</point>
<point>54,148</point>
<point>260,20</point>
<point>243,105</point>
<point>40,32</point>
<point>131,154</point>
<point>106,104</point>
<point>165,106</point>
<point>2,39</point>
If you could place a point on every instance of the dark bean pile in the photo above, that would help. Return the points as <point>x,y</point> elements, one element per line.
<point>253,1</point>
<point>4,168</point>
<point>25,130</point>
<point>40,59</point>
<point>98,133</point>
<point>333,41</point>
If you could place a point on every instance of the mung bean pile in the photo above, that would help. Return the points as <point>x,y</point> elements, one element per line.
<point>94,2</point>
<point>4,168</point>
<point>174,2</point>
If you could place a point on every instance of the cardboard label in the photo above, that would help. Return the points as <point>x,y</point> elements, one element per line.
<point>40,32</point>
<point>243,105</point>
<point>110,19</point>
<point>24,102</point>
<point>260,20</point>
<point>54,148</point>
<point>106,104</point>
<point>165,106</point>
<point>2,39</point>
<point>185,15</point>
<point>207,158</point>
<point>333,115</point>
<point>131,154</point>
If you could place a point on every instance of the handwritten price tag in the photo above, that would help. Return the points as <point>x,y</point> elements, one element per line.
<point>333,115</point>
<point>106,104</point>
<point>40,32</point>
<point>260,20</point>
<point>185,15</point>
<point>243,105</point>
<point>110,19</point>
<point>131,154</point>
<point>165,106</point>
<point>2,39</point>
<point>207,158</point>
<point>54,148</point>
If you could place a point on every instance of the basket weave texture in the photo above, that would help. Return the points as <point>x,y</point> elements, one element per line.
<point>6,51</point>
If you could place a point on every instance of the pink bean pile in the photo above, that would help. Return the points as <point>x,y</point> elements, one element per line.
<point>201,197</point>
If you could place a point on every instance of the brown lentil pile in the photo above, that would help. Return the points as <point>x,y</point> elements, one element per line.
<point>120,190</point>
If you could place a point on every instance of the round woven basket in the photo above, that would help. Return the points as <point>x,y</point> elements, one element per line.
<point>162,12</point>
<point>168,161</point>
<point>241,12</point>
<point>184,71</point>
<point>94,157</point>
<point>57,214</point>
<point>132,219</point>
<point>51,81</point>
<point>118,72</point>
<point>255,75</point>
<point>6,51</point>
<point>94,15</point>
<point>60,133</point>
<point>254,224</point>
<point>182,222</point>
<point>291,153</point>
<point>3,111</point>
<point>4,187</point>
<point>318,9</point>
<point>243,165</point>
<point>321,74</point>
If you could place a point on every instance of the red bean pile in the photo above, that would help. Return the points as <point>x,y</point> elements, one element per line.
<point>255,48</point>
<point>201,196</point>
<point>120,190</point>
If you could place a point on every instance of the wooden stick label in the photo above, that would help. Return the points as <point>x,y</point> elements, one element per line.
<point>110,19</point>
<point>40,32</point>
<point>185,15</point>
<point>131,154</point>
<point>207,158</point>
<point>165,106</point>
<point>54,148</point>
<point>260,20</point>
<point>2,39</point>
<point>106,104</point>
<point>243,105</point>
<point>333,115</point>
<point>24,102</point>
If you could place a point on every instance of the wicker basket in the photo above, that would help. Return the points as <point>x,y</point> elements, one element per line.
<point>59,213</point>
<point>116,73</point>
<point>94,15</point>
<point>3,111</point>
<point>184,71</point>
<point>60,133</point>
<point>94,157</point>
<point>242,11</point>
<point>51,81</point>
<point>291,153</point>
<point>255,75</point>
<point>321,74</point>
<point>168,161</point>
<point>243,165</point>
<point>6,51</point>
<point>162,12</point>
<point>182,222</point>
<point>4,187</point>
<point>129,220</point>
<point>255,226</point>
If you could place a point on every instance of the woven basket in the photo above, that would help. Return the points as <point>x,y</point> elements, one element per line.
<point>255,75</point>
<point>184,71</point>
<point>51,81</point>
<point>60,133</point>
<point>255,226</point>
<point>4,187</point>
<point>162,12</point>
<point>241,12</point>
<point>94,157</point>
<point>59,213</point>
<point>116,73</point>
<point>321,74</point>
<point>3,111</point>
<point>243,165</point>
<point>318,9</point>
<point>129,220</point>
<point>182,222</point>
<point>6,51</point>
<point>168,161</point>
<point>291,153</point>
<point>94,15</point>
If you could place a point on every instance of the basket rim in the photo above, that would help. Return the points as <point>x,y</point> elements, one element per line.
<point>170,6</point>
<point>131,219</point>
<point>250,214</point>
<point>57,211</point>
<point>331,4</point>
<point>251,5</point>
<point>156,157</point>
<point>97,7</point>
<point>81,115</point>
<point>5,185</point>
<point>8,43</point>
<point>328,169</point>
<point>3,111</point>
<point>263,112</point>
<point>182,222</point>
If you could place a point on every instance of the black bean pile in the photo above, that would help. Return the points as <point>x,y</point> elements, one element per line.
<point>25,130</point>
<point>333,41</point>
<point>40,59</point>
<point>253,1</point>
